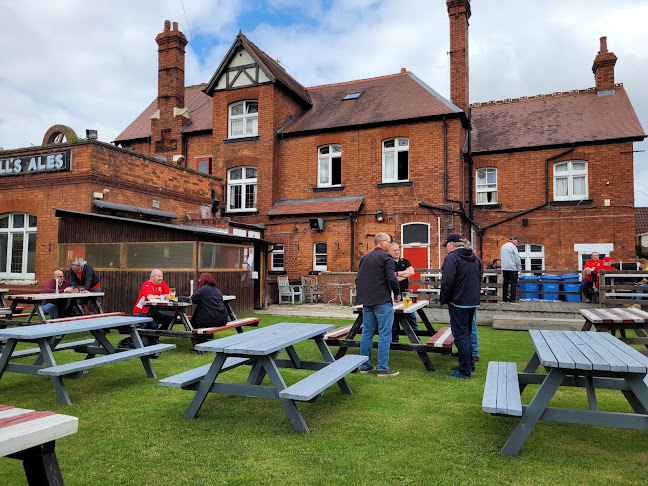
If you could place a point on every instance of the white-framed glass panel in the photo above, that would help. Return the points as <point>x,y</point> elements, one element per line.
<point>395,159</point>
<point>18,245</point>
<point>241,189</point>
<point>277,257</point>
<point>243,119</point>
<point>570,180</point>
<point>532,256</point>
<point>486,185</point>
<point>329,166</point>
<point>319,256</point>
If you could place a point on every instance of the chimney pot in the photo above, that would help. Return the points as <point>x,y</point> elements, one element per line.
<point>603,45</point>
<point>167,25</point>
<point>403,70</point>
<point>175,26</point>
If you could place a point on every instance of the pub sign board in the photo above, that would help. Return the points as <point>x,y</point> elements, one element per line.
<point>36,163</point>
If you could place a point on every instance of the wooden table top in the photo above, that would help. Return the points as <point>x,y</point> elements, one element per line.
<point>22,429</point>
<point>615,315</point>
<point>583,350</point>
<point>413,307</point>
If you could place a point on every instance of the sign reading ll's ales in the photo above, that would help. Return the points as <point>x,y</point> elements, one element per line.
<point>36,163</point>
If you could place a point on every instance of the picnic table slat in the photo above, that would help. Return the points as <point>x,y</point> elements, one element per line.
<point>45,330</point>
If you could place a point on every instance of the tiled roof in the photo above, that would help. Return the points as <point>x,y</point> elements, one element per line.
<point>200,108</point>
<point>384,99</point>
<point>580,116</point>
<point>641,221</point>
<point>346,204</point>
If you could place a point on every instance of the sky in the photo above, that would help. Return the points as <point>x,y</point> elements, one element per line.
<point>93,64</point>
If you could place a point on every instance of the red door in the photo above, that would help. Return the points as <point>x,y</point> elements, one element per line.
<point>418,257</point>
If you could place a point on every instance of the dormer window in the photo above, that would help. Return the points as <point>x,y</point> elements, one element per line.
<point>353,96</point>
<point>244,119</point>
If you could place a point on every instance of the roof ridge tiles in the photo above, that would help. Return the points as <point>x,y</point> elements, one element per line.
<point>407,73</point>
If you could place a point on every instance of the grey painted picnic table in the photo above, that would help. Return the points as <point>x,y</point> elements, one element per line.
<point>37,301</point>
<point>591,360</point>
<point>619,319</point>
<point>48,337</point>
<point>260,349</point>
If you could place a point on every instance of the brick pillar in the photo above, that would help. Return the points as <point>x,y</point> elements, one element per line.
<point>603,68</point>
<point>459,13</point>
<point>167,122</point>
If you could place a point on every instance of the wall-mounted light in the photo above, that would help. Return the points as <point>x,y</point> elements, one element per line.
<point>316,224</point>
<point>295,228</point>
<point>379,215</point>
<point>91,134</point>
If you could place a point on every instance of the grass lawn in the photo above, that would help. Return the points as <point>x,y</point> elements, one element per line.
<point>417,428</point>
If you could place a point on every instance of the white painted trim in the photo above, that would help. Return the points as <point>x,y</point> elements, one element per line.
<point>581,248</point>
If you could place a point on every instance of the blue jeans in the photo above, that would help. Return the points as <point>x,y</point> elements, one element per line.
<point>638,297</point>
<point>52,310</point>
<point>381,316</point>
<point>474,339</point>
<point>411,317</point>
<point>158,318</point>
<point>460,324</point>
<point>586,288</point>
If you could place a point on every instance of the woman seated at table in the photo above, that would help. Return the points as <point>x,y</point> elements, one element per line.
<point>210,309</point>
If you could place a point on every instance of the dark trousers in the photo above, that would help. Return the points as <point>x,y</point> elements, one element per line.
<point>461,326</point>
<point>510,278</point>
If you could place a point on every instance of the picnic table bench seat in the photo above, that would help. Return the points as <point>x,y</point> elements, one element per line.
<point>78,366</point>
<point>502,390</point>
<point>338,332</point>
<point>443,339</point>
<point>188,378</point>
<point>237,324</point>
<point>60,347</point>
<point>314,385</point>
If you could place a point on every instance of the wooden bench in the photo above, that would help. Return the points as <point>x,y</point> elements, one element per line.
<point>338,333</point>
<point>502,389</point>
<point>77,366</point>
<point>61,347</point>
<point>443,339</point>
<point>315,384</point>
<point>188,378</point>
<point>237,324</point>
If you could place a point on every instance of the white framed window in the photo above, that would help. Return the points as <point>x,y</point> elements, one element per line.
<point>17,245</point>
<point>241,189</point>
<point>329,166</point>
<point>244,119</point>
<point>570,180</point>
<point>532,256</point>
<point>486,185</point>
<point>395,159</point>
<point>277,257</point>
<point>319,256</point>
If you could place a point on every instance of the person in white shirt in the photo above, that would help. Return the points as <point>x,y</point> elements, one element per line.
<point>511,265</point>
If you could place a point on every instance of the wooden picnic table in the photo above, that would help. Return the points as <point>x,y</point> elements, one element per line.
<point>590,360</point>
<point>405,328</point>
<point>30,436</point>
<point>260,349</point>
<point>619,319</point>
<point>3,292</point>
<point>37,301</point>
<point>48,337</point>
<point>180,310</point>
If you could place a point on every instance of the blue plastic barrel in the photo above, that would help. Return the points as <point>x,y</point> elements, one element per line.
<point>570,283</point>
<point>550,283</point>
<point>528,283</point>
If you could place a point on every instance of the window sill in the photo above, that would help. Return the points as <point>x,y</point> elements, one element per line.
<point>241,139</point>
<point>277,272</point>
<point>582,202</point>
<point>328,189</point>
<point>487,206</point>
<point>231,214</point>
<point>394,184</point>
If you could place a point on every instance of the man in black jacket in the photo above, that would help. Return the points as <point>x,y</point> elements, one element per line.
<point>375,282</point>
<point>460,289</point>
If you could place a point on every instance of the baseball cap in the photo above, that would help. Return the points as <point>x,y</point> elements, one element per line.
<point>453,237</point>
<point>608,259</point>
<point>514,238</point>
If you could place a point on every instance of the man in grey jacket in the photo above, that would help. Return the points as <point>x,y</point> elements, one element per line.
<point>511,265</point>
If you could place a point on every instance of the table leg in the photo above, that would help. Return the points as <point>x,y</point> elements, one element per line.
<point>257,373</point>
<point>591,393</point>
<point>426,322</point>
<point>53,342</point>
<point>137,342</point>
<point>40,464</point>
<point>57,381</point>
<point>640,389</point>
<point>6,354</point>
<point>277,382</point>
<point>205,384</point>
<point>411,335</point>
<point>328,358</point>
<point>531,367</point>
<point>97,304</point>
<point>185,321</point>
<point>230,311</point>
<point>351,335</point>
<point>587,326</point>
<point>294,358</point>
<point>533,412</point>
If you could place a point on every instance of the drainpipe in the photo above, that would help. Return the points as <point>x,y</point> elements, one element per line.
<point>471,162</point>
<point>351,220</point>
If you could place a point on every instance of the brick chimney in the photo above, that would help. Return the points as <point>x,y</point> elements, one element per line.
<point>603,69</point>
<point>459,13</point>
<point>171,115</point>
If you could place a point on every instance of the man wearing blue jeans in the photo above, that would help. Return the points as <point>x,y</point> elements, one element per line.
<point>375,282</point>
<point>460,289</point>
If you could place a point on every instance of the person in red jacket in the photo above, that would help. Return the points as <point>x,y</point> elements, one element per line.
<point>590,275</point>
<point>153,288</point>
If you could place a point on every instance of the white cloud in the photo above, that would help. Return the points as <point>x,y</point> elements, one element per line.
<point>94,64</point>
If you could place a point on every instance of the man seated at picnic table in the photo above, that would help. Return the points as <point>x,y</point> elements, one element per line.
<point>404,270</point>
<point>152,289</point>
<point>60,307</point>
<point>590,275</point>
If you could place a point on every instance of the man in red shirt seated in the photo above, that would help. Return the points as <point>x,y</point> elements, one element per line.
<point>590,275</point>
<point>152,289</point>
